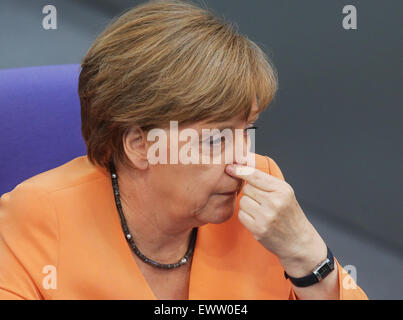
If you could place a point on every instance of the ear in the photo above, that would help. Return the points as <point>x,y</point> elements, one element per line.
<point>135,146</point>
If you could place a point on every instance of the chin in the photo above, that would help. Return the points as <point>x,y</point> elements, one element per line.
<point>222,213</point>
<point>219,209</point>
<point>222,218</point>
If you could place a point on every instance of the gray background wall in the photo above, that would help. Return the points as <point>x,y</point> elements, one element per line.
<point>334,128</point>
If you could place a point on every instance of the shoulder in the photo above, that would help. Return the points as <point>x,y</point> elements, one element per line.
<point>28,239</point>
<point>29,211</point>
<point>72,173</point>
<point>20,203</point>
<point>31,199</point>
<point>28,221</point>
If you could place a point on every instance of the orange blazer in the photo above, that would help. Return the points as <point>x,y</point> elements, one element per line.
<point>61,238</point>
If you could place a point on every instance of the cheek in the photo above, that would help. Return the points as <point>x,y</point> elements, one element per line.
<point>197,192</point>
<point>198,179</point>
<point>202,189</point>
<point>187,187</point>
<point>179,182</point>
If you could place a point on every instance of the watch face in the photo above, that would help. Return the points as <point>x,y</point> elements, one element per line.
<point>325,270</point>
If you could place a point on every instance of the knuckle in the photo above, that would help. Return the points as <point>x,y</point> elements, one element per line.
<point>241,215</point>
<point>289,190</point>
<point>271,219</point>
<point>251,192</point>
<point>243,201</point>
<point>277,203</point>
<point>256,175</point>
<point>247,188</point>
<point>274,219</point>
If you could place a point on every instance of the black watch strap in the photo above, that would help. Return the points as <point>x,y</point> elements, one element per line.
<point>319,273</point>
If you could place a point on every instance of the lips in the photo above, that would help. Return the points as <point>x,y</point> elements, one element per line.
<point>228,193</point>
<point>236,191</point>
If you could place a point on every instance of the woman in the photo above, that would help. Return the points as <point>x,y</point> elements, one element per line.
<point>115,224</point>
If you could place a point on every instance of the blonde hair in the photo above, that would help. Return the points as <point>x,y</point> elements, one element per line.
<point>167,60</point>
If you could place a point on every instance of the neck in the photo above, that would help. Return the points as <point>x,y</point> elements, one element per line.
<point>157,234</point>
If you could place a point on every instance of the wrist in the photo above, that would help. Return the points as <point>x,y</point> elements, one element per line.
<point>302,263</point>
<point>317,276</point>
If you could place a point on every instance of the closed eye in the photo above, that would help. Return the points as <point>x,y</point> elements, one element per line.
<point>216,141</point>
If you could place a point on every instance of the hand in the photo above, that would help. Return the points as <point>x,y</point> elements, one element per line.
<point>270,211</point>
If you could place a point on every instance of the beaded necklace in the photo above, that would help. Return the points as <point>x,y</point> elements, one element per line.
<point>129,237</point>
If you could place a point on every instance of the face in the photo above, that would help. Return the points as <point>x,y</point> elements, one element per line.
<point>199,193</point>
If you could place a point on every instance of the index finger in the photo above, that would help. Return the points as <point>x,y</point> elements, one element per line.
<point>254,176</point>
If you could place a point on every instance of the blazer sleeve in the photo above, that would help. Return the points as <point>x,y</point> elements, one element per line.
<point>348,289</point>
<point>28,238</point>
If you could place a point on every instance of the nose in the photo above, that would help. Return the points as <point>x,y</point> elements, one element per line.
<point>243,148</point>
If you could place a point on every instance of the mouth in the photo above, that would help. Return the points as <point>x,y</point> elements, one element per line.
<point>228,193</point>
<point>231,193</point>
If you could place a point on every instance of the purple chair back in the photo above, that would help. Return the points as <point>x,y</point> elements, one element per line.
<point>40,122</point>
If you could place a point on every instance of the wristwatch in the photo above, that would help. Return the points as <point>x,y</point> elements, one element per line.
<point>320,272</point>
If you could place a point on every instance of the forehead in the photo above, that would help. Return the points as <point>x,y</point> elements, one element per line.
<point>238,120</point>
<point>253,115</point>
